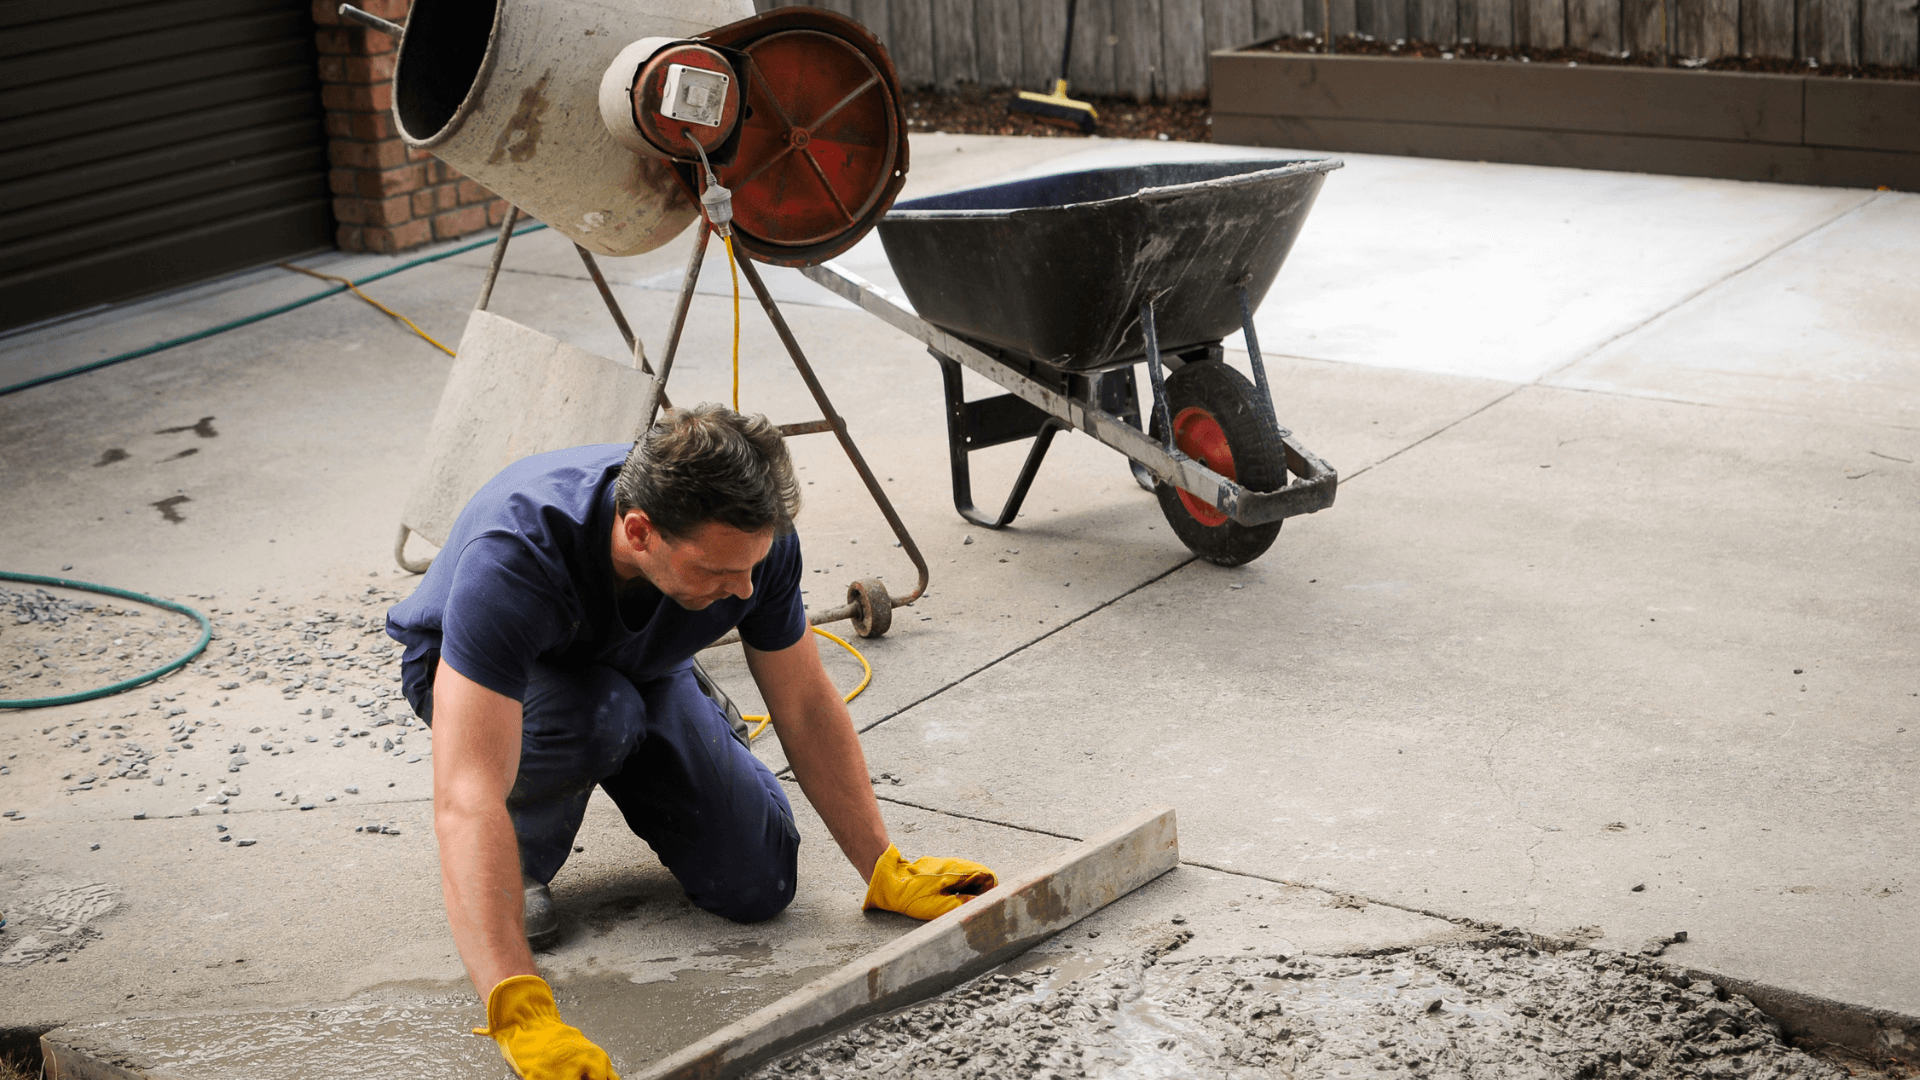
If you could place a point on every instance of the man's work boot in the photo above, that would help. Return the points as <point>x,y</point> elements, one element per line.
<point>727,708</point>
<point>543,924</point>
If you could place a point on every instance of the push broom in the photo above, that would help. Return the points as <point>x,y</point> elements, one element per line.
<point>1057,107</point>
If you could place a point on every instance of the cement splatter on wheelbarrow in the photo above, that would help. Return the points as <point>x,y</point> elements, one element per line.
<point>1490,1009</point>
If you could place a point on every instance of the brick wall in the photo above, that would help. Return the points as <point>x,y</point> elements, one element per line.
<point>385,197</point>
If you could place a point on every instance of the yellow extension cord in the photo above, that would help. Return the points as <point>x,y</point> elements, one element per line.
<point>763,720</point>
<point>355,289</point>
<point>734,269</point>
<point>866,669</point>
<point>865,678</point>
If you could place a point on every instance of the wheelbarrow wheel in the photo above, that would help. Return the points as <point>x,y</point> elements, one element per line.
<point>1220,422</point>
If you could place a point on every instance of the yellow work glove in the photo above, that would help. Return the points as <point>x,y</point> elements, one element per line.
<point>523,1019</point>
<point>924,888</point>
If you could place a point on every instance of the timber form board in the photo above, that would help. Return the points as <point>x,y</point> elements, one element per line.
<point>1783,128</point>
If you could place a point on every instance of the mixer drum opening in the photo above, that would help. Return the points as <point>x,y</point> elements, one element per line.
<point>430,82</point>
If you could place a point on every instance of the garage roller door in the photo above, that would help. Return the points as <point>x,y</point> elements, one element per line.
<point>147,145</point>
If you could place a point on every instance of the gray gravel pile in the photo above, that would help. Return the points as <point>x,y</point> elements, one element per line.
<point>1494,1009</point>
<point>56,644</point>
<point>320,650</point>
<point>53,644</point>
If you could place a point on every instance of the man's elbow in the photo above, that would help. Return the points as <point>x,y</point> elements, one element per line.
<point>458,810</point>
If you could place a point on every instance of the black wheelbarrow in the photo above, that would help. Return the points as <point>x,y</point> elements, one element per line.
<point>1057,288</point>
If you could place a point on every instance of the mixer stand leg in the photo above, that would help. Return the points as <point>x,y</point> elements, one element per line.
<point>832,422</point>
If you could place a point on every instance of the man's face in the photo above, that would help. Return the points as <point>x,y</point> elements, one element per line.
<point>711,563</point>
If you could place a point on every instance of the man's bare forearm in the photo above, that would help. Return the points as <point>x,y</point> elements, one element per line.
<point>826,758</point>
<point>480,879</point>
<point>476,757</point>
<point>817,734</point>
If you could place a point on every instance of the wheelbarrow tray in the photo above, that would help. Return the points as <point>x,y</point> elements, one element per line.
<point>1056,268</point>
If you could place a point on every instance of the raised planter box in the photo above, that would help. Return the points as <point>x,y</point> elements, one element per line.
<point>1791,129</point>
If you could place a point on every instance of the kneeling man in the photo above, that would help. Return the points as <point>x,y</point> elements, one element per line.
<point>551,647</point>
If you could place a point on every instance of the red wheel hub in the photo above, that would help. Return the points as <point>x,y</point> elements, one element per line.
<point>1199,436</point>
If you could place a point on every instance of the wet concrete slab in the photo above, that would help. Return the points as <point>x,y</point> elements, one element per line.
<point>167,918</point>
<point>1556,650</point>
<point>420,1027</point>
<point>1682,701</point>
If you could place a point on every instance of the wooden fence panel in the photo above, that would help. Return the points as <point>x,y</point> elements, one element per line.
<point>910,40</point>
<point>1643,27</point>
<point>1594,24</point>
<point>1890,32</point>
<point>1043,29</point>
<point>953,46</point>
<point>1708,28</point>
<point>1435,20</point>
<point>1229,24</point>
<point>1137,65</point>
<point>998,51</point>
<point>1829,30</point>
<point>877,16</point>
<point>1092,65</point>
<point>1157,48</point>
<point>1384,19</point>
<point>1343,14</point>
<point>1487,22</point>
<point>1273,18</point>
<point>1540,23</point>
<point>1183,47</point>
<point>1766,28</point>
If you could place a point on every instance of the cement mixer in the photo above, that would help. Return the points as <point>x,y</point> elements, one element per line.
<point>599,119</point>
<point>619,126</point>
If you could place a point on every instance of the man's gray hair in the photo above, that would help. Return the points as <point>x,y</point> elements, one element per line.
<point>709,463</point>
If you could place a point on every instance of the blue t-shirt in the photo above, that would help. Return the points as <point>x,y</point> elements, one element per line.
<point>527,576</point>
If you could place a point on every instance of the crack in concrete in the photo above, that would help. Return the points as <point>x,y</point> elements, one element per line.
<point>1487,758</point>
<point>1541,380</point>
<point>1018,649</point>
<point>1533,875</point>
<point>1711,285</point>
<point>1336,894</point>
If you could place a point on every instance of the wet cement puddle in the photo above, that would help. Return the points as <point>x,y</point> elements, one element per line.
<point>1481,1010</point>
<point>427,1037</point>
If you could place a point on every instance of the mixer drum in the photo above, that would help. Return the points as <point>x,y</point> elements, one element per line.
<point>507,93</point>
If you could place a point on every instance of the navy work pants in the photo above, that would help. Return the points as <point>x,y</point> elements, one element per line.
<point>664,753</point>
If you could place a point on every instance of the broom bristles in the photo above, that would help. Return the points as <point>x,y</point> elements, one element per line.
<point>1056,109</point>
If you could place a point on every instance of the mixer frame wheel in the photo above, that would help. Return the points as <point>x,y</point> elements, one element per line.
<point>872,607</point>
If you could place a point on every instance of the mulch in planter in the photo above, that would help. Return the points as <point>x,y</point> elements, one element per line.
<point>971,110</point>
<point>1367,45</point>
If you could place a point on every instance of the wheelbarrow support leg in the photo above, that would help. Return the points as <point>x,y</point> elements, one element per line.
<point>1157,375</point>
<point>1253,355</point>
<point>976,425</point>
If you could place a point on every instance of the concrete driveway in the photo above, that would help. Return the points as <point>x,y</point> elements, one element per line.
<point>1611,631</point>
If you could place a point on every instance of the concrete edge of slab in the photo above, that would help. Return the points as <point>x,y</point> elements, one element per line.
<point>1877,1034</point>
<point>63,1057</point>
<point>1874,1033</point>
<point>989,930</point>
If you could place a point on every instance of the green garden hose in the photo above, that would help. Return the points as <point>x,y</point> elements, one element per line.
<point>206,635</point>
<point>244,320</point>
